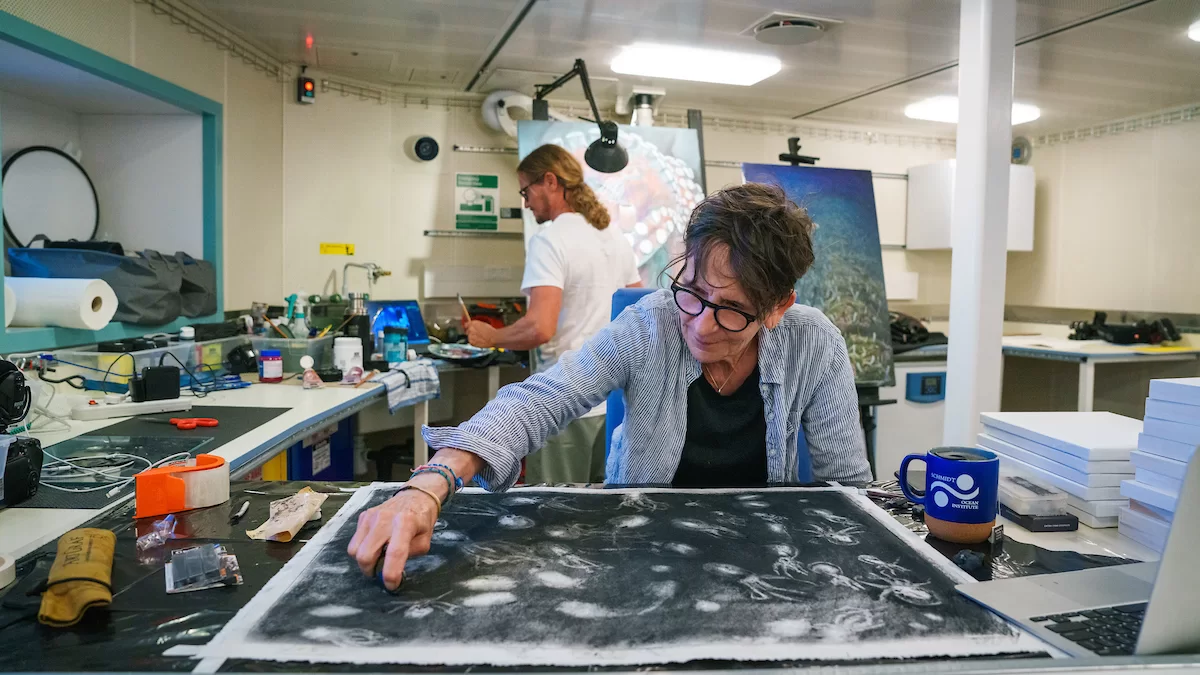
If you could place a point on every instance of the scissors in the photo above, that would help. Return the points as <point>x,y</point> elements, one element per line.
<point>188,423</point>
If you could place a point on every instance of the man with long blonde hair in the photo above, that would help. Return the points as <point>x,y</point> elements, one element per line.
<point>572,268</point>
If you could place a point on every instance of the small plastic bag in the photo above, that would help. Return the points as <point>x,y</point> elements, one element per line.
<point>162,531</point>
<point>201,567</point>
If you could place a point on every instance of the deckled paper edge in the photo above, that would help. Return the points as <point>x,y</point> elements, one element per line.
<point>230,643</point>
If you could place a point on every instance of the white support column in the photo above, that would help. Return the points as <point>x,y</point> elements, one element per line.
<point>1087,386</point>
<point>987,32</point>
<point>420,419</point>
<point>493,374</point>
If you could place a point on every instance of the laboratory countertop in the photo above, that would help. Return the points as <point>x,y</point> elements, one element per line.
<point>24,530</point>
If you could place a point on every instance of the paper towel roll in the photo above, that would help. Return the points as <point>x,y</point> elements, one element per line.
<point>10,305</point>
<point>70,303</point>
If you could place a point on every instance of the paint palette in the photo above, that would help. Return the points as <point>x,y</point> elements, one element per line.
<point>460,352</point>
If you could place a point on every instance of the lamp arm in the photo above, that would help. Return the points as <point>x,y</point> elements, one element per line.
<point>586,83</point>
<point>580,70</point>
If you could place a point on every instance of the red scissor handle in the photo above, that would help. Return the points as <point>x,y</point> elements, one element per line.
<point>187,423</point>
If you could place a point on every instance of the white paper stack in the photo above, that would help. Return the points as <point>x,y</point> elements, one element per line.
<point>1168,440</point>
<point>1085,454</point>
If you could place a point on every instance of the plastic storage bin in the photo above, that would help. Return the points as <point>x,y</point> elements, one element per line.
<point>293,350</point>
<point>214,354</point>
<point>92,363</point>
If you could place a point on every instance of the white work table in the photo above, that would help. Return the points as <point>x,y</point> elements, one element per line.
<point>24,530</point>
<point>1088,353</point>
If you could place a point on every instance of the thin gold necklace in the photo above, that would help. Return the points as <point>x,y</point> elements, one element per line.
<point>721,388</point>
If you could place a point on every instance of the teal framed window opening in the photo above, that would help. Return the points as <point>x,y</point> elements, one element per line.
<point>28,36</point>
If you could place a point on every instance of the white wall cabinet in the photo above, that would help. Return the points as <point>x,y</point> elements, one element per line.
<point>931,206</point>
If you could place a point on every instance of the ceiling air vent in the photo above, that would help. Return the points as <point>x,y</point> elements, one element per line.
<point>778,28</point>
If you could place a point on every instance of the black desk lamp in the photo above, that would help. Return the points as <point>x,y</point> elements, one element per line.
<point>603,155</point>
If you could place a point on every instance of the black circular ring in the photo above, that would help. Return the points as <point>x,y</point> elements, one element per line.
<point>45,148</point>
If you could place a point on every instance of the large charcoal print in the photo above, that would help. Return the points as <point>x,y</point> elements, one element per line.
<point>571,577</point>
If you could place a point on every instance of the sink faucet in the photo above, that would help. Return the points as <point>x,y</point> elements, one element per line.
<point>374,272</point>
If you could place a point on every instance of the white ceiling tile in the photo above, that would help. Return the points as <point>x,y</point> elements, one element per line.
<point>431,76</point>
<point>349,58</point>
<point>1132,63</point>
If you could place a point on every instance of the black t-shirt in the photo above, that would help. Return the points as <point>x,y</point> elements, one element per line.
<point>726,441</point>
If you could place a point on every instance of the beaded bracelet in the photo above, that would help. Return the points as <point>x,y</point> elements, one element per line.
<point>429,469</point>
<point>458,482</point>
<point>427,493</point>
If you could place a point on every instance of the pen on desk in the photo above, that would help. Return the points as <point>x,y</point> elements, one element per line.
<point>240,512</point>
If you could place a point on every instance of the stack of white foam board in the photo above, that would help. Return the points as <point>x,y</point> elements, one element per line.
<point>1085,454</point>
<point>1169,438</point>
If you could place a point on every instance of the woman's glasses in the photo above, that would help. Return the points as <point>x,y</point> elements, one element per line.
<point>732,320</point>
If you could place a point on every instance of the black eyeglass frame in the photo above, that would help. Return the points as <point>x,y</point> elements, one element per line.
<point>676,289</point>
<point>524,192</point>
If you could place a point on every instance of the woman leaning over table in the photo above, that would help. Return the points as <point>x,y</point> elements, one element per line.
<point>720,373</point>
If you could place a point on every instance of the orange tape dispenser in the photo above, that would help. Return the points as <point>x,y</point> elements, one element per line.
<point>195,484</point>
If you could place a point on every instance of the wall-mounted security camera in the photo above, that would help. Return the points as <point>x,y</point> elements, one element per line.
<point>421,148</point>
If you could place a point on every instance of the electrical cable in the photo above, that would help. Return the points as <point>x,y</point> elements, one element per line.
<point>104,382</point>
<point>74,381</point>
<point>194,385</point>
<point>112,487</point>
<point>43,410</point>
<point>77,365</point>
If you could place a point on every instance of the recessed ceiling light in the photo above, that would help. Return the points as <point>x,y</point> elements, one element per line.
<point>697,65</point>
<point>1194,31</point>
<point>945,109</point>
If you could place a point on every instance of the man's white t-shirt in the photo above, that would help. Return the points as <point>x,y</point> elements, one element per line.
<point>589,265</point>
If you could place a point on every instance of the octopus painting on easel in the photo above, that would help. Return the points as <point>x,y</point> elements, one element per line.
<point>626,577</point>
<point>650,200</point>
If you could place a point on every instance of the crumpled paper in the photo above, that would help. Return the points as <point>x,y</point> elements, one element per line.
<point>289,515</point>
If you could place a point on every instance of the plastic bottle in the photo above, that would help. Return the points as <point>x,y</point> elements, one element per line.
<point>299,323</point>
<point>299,326</point>
<point>395,344</point>
<point>347,354</point>
<point>270,366</point>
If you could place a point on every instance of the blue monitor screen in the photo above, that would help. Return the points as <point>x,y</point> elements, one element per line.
<point>398,313</point>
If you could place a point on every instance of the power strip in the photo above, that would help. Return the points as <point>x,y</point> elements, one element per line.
<point>98,410</point>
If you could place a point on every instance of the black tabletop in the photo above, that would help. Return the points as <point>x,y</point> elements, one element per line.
<point>144,621</point>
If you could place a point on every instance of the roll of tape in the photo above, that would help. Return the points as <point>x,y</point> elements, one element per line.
<point>8,571</point>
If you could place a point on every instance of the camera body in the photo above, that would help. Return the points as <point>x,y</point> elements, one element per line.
<point>21,456</point>
<point>22,470</point>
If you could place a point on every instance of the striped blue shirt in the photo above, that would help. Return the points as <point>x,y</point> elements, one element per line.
<point>805,378</point>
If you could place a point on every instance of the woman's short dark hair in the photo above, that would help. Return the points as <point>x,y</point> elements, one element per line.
<point>769,239</point>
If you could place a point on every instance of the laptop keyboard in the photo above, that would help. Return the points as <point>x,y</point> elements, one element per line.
<point>1108,631</point>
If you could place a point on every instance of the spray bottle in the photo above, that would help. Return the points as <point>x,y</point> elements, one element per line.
<point>298,308</point>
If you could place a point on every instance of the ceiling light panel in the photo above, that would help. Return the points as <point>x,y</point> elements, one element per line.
<point>945,109</point>
<point>693,64</point>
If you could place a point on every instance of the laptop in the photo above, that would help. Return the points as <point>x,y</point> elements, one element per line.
<point>405,313</point>
<point>1140,608</point>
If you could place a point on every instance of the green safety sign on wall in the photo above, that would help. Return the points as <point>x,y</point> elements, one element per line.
<point>476,201</point>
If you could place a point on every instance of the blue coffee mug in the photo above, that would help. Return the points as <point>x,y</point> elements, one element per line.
<point>961,484</point>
